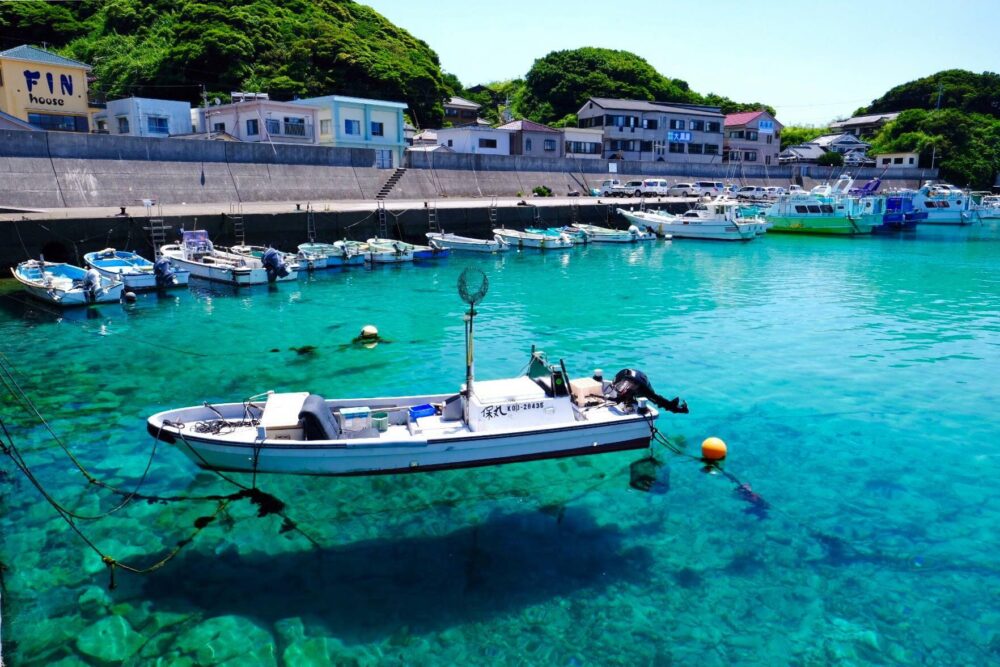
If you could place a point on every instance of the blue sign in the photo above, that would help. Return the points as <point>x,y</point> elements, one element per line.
<point>678,136</point>
<point>766,127</point>
<point>32,79</point>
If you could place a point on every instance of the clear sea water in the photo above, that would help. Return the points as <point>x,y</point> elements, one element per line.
<point>854,380</point>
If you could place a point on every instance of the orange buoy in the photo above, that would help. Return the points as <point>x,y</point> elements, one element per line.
<point>713,449</point>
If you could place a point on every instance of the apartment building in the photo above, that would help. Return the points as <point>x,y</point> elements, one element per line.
<point>753,137</point>
<point>655,131</point>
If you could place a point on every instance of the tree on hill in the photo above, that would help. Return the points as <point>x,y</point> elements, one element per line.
<point>168,48</point>
<point>966,145</point>
<point>559,83</point>
<point>960,89</point>
<point>793,135</point>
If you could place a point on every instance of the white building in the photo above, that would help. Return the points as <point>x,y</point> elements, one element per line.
<point>898,160</point>
<point>583,142</point>
<point>356,122</point>
<point>253,117</point>
<point>144,117</point>
<point>840,143</point>
<point>475,139</point>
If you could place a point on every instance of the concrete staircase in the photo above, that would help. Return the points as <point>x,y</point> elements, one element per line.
<point>391,183</point>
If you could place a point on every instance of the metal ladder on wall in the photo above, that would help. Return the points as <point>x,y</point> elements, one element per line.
<point>383,221</point>
<point>574,213</point>
<point>493,213</point>
<point>310,224</point>
<point>432,219</point>
<point>239,230</point>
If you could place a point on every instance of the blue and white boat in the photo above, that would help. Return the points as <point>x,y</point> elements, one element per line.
<point>66,285</point>
<point>900,214</point>
<point>137,272</point>
<point>945,204</point>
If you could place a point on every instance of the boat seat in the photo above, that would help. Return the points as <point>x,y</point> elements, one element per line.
<point>317,419</point>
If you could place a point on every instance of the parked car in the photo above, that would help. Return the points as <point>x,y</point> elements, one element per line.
<point>710,188</point>
<point>654,187</point>
<point>607,188</point>
<point>630,189</point>
<point>796,190</point>
<point>774,192</point>
<point>752,192</point>
<point>683,190</point>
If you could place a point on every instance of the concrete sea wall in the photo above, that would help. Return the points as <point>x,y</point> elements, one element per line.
<point>68,170</point>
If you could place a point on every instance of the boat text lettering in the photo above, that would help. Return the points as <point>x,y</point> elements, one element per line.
<point>491,411</point>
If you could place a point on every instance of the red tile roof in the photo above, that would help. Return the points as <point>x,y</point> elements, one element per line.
<point>742,118</point>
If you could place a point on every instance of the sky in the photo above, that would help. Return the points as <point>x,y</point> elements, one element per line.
<point>814,62</point>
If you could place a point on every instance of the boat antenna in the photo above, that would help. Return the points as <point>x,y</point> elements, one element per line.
<point>472,287</point>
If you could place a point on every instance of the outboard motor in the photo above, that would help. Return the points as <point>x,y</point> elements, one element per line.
<point>630,385</point>
<point>274,265</point>
<point>92,284</point>
<point>164,272</point>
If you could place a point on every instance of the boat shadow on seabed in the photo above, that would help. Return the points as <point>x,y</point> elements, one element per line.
<point>371,589</point>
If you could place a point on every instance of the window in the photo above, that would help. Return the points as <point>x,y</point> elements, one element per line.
<point>295,127</point>
<point>450,113</point>
<point>885,160</point>
<point>750,156</point>
<point>713,126</point>
<point>253,127</point>
<point>102,126</point>
<point>646,146</point>
<point>698,125</point>
<point>769,137</point>
<point>219,127</point>
<point>650,124</point>
<point>485,143</point>
<point>621,145</point>
<point>696,149</point>
<point>911,160</point>
<point>676,124</point>
<point>621,121</point>
<point>527,145</point>
<point>583,147</point>
<point>675,147</point>
<point>734,156</point>
<point>711,149</point>
<point>378,129</point>
<point>59,123</point>
<point>751,135</point>
<point>450,143</point>
<point>826,208</point>
<point>272,126</point>
<point>767,159</point>
<point>122,124</point>
<point>324,126</point>
<point>735,134</point>
<point>158,124</point>
<point>352,126</point>
<point>549,145</point>
<point>897,160</point>
<point>800,209</point>
<point>813,209</point>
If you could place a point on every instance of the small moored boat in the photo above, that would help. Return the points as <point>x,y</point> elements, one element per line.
<point>466,243</point>
<point>388,251</point>
<point>334,255</point>
<point>518,239</point>
<point>195,253</point>
<point>66,285</point>
<point>541,414</point>
<point>137,272</point>
<point>717,220</point>
<point>633,234</point>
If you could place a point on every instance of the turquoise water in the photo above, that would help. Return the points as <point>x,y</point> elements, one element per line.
<point>855,381</point>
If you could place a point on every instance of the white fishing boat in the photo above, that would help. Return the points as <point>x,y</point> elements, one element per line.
<point>66,285</point>
<point>333,254</point>
<point>517,239</point>
<point>420,252</point>
<point>988,207</point>
<point>945,204</point>
<point>137,272</point>
<point>541,414</point>
<point>266,253</point>
<point>388,251</point>
<point>717,220</point>
<point>466,243</point>
<point>195,253</point>
<point>633,234</point>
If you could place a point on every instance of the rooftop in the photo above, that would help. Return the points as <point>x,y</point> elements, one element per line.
<point>526,126</point>
<point>828,139</point>
<point>665,107</point>
<point>462,103</point>
<point>350,100</point>
<point>742,118</point>
<point>866,120</point>
<point>35,54</point>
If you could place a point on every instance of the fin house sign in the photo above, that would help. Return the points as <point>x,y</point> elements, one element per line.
<point>42,90</point>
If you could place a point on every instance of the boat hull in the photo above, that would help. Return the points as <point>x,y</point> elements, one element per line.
<point>466,244</point>
<point>61,291</point>
<point>539,241</point>
<point>239,275</point>
<point>134,270</point>
<point>829,225</point>
<point>677,227</point>
<point>386,455</point>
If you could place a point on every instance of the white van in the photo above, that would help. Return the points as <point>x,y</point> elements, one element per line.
<point>654,187</point>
